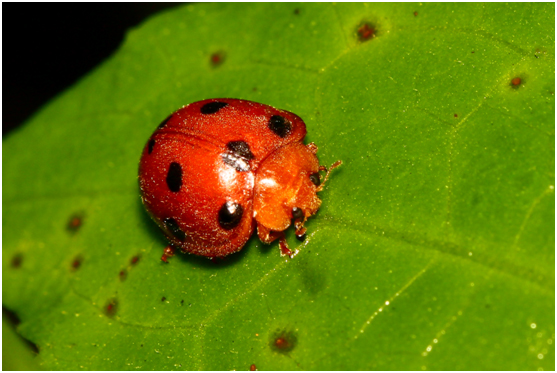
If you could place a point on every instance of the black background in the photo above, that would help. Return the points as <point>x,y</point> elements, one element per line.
<point>48,46</point>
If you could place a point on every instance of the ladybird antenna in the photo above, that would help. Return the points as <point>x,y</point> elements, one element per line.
<point>323,168</point>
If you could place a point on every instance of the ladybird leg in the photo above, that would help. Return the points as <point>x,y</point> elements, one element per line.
<point>267,236</point>
<point>167,253</point>
<point>333,166</point>
<point>284,250</point>
<point>300,230</point>
<point>312,147</point>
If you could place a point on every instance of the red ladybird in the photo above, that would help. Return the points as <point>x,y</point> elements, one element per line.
<point>216,169</point>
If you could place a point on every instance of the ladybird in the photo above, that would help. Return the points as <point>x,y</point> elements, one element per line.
<point>216,169</point>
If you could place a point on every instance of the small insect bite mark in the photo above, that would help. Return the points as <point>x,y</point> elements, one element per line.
<point>75,222</point>
<point>163,299</point>
<point>217,58</point>
<point>455,115</point>
<point>111,307</point>
<point>123,275</point>
<point>415,14</point>
<point>17,259</point>
<point>134,260</point>
<point>76,263</point>
<point>516,82</point>
<point>366,32</point>
<point>283,342</point>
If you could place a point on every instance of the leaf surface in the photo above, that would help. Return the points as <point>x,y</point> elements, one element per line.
<point>434,247</point>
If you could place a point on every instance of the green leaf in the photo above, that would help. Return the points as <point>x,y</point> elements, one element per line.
<point>434,247</point>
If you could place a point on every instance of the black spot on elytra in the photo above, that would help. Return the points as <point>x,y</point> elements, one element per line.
<point>212,107</point>
<point>150,146</point>
<point>240,148</point>
<point>315,178</point>
<point>163,123</point>
<point>174,177</point>
<point>111,307</point>
<point>230,215</point>
<point>174,228</point>
<point>280,125</point>
<point>238,156</point>
<point>239,163</point>
<point>301,237</point>
<point>283,341</point>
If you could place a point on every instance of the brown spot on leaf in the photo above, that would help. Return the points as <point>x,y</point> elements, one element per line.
<point>415,14</point>
<point>17,259</point>
<point>217,58</point>
<point>76,263</point>
<point>515,82</point>
<point>283,341</point>
<point>75,222</point>
<point>366,32</point>
<point>111,307</point>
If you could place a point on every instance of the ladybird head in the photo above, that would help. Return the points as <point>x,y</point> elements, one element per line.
<point>286,187</point>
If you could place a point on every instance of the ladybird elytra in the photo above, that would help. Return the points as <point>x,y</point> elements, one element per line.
<point>216,170</point>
